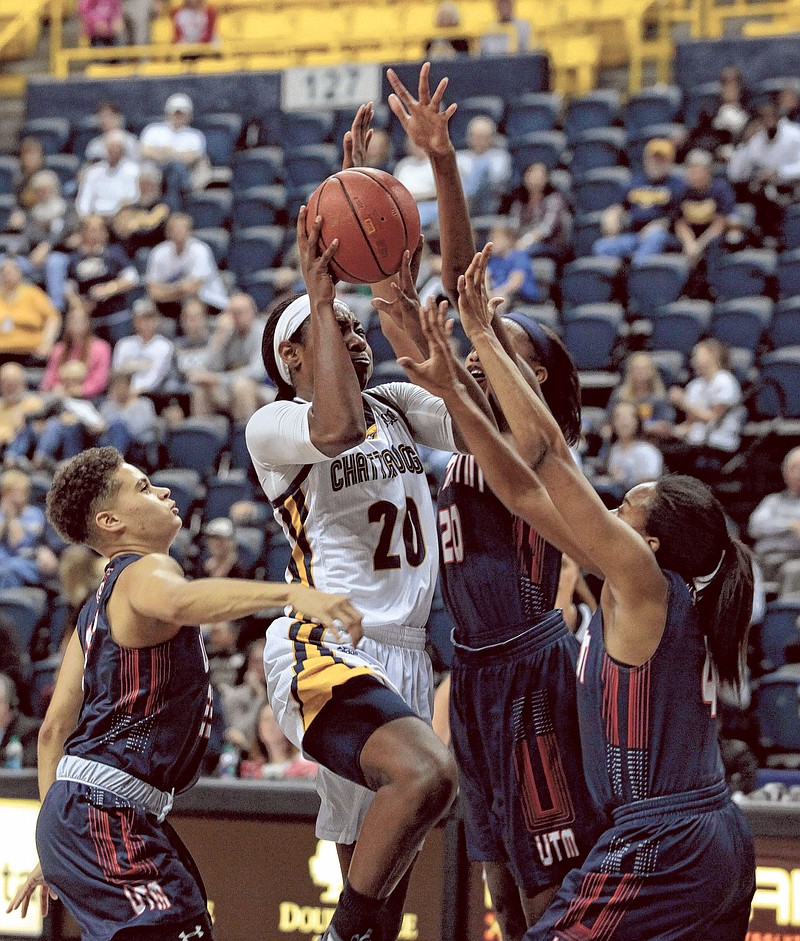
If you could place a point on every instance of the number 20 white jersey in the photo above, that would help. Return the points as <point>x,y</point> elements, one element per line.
<point>361,523</point>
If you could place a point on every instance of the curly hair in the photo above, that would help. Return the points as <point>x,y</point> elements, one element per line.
<point>79,488</point>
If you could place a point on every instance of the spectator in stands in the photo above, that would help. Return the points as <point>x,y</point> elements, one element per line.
<point>101,21</point>
<point>789,101</point>
<point>775,523</point>
<point>194,21</point>
<point>143,224</point>
<point>24,559</point>
<point>234,379</point>
<point>79,344</point>
<point>16,403</point>
<point>221,557</point>
<point>29,324</point>
<point>110,118</point>
<point>179,150</point>
<point>711,430</point>
<point>766,167</point>
<point>99,273</point>
<point>447,16</point>
<point>699,217</point>
<point>112,183</point>
<point>379,151</point>
<point>136,413</point>
<point>485,166</point>
<point>271,754</point>
<point>224,658</point>
<point>243,701</point>
<point>511,269</point>
<point>147,355</point>
<point>631,460</point>
<point>718,128</point>
<point>31,161</point>
<point>19,734</point>
<point>80,570</point>
<point>639,227</point>
<point>414,171</point>
<point>507,35</point>
<point>192,351</point>
<point>539,212</point>
<point>14,661</point>
<point>182,267</point>
<point>137,15</point>
<point>643,388</point>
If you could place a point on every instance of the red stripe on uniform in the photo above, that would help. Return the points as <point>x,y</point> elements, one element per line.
<point>616,907</point>
<point>590,890</point>
<point>103,844</point>
<point>639,707</point>
<point>610,706</point>
<point>138,863</point>
<point>129,679</point>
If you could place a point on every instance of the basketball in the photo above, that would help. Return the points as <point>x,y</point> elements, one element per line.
<point>375,219</point>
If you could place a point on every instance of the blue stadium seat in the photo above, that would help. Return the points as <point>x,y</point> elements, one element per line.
<point>8,169</point>
<point>590,333</point>
<point>544,270</point>
<point>785,327</point>
<point>778,711</point>
<point>304,128</point>
<point>312,164</point>
<point>255,248</point>
<point>251,541</point>
<point>778,628</point>
<point>699,98</point>
<point>657,105</point>
<point>491,106</point>
<point>85,129</point>
<point>670,365</point>
<point>585,232</point>
<point>210,209</point>
<point>596,109</point>
<point>259,205</point>
<point>222,132</point>
<point>789,274</point>
<point>66,167</point>
<point>240,457</point>
<point>218,241</point>
<point>545,147</point>
<point>599,189</point>
<point>532,112</point>
<point>679,325</point>
<point>43,681</point>
<point>223,492</point>
<point>589,281</point>
<point>184,487</point>
<point>261,166</point>
<point>7,205</point>
<point>748,273</point>
<point>778,394</point>
<point>197,444</point>
<point>791,228</point>
<point>277,558</point>
<point>741,322</point>
<point>261,286</point>
<point>656,281</point>
<point>24,607</point>
<point>596,149</point>
<point>297,196</point>
<point>53,133</point>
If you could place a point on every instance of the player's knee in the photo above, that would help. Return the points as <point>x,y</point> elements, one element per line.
<point>432,781</point>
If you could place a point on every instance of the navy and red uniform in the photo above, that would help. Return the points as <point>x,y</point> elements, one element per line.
<point>146,713</point>
<point>678,862</point>
<point>513,712</point>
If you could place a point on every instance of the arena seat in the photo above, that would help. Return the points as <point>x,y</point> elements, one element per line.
<point>748,273</point>
<point>491,106</point>
<point>741,322</point>
<point>181,549</point>
<point>590,333</point>
<point>223,492</point>
<point>778,395</point>
<point>679,325</point>
<point>197,443</point>
<point>697,99</point>
<point>656,281</point>
<point>546,313</point>
<point>596,149</point>
<point>778,716</point>
<point>791,227</point>
<point>184,487</point>
<point>261,166</point>
<point>789,274</point>
<point>589,281</point>
<point>785,327</point>
<point>259,205</point>
<point>596,109</point>
<point>778,628</point>
<point>535,111</point>
<point>305,128</point>
<point>218,241</point>
<point>66,167</point>
<point>586,230</point>
<point>312,164</point>
<point>670,365</point>
<point>544,269</point>
<point>210,209</point>
<point>7,205</point>
<point>262,286</point>
<point>52,133</point>
<point>24,607</point>
<point>255,248</point>
<point>9,166</point>
<point>545,147</point>
<point>657,105</point>
<point>222,133</point>
<point>599,189</point>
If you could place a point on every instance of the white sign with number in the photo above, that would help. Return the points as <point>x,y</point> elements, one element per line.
<point>335,86</point>
<point>17,859</point>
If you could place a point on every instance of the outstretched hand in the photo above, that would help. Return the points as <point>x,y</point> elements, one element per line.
<point>26,891</point>
<point>399,311</point>
<point>474,306</point>
<point>438,374</point>
<point>313,262</point>
<point>421,117</point>
<point>356,140</point>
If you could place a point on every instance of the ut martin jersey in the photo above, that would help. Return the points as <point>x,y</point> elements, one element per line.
<point>361,523</point>
<point>147,710</point>
<point>498,573</point>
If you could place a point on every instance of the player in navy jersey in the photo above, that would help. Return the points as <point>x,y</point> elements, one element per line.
<point>672,622</point>
<point>131,713</point>
<point>513,711</point>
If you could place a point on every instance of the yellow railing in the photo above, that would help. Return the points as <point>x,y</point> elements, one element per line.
<point>21,22</point>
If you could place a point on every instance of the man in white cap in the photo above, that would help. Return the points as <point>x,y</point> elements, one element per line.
<point>178,148</point>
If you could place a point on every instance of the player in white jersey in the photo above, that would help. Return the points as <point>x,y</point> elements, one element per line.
<point>342,471</point>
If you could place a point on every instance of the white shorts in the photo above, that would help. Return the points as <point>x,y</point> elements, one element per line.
<point>300,677</point>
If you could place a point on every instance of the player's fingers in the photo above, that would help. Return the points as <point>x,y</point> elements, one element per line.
<point>301,223</point>
<point>326,257</point>
<point>399,88</point>
<point>424,86</point>
<point>494,303</point>
<point>45,901</point>
<point>367,138</point>
<point>438,95</point>
<point>397,109</point>
<point>450,110</point>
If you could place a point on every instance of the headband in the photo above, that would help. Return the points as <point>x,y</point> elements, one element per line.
<point>703,581</point>
<point>541,341</point>
<point>289,323</point>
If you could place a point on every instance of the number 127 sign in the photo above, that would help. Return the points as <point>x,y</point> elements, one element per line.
<point>336,86</point>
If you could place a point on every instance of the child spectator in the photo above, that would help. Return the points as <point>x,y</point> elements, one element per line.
<point>631,460</point>
<point>511,269</point>
<point>272,755</point>
<point>539,213</point>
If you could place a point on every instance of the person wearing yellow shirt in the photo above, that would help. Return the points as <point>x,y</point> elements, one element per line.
<point>29,324</point>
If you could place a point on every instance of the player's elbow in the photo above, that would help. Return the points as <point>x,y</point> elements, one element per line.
<point>334,443</point>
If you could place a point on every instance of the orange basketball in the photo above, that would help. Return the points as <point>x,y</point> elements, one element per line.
<point>375,219</point>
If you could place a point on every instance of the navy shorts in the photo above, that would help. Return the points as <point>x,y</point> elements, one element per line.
<point>514,727</point>
<point>115,868</point>
<point>665,870</point>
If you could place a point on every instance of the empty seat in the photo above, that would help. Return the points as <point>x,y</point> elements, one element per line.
<point>83,131</point>
<point>791,227</point>
<point>657,105</point>
<point>779,384</point>
<point>544,270</point>
<point>223,492</point>
<point>789,274</point>
<point>197,444</point>
<point>778,711</point>
<point>785,327</point>
<point>52,133</point>
<point>586,230</point>
<point>748,273</point>
<point>589,281</point>
<point>222,132</point>
<point>184,487</point>
<point>698,99</point>
<point>9,167</point>
<point>259,205</point>
<point>655,281</point>
<point>262,286</point>
<point>255,248</point>
<point>210,209</point>
<point>778,628</point>
<point>311,165</point>
<point>679,325</point>
<point>545,147</point>
<point>599,189</point>
<point>7,205</point>
<point>590,334</point>
<point>304,128</point>
<point>596,109</point>
<point>532,112</point>
<point>24,607</point>
<point>741,322</point>
<point>490,106</point>
<point>65,166</point>
<point>261,166</point>
<point>218,241</point>
<point>597,148</point>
